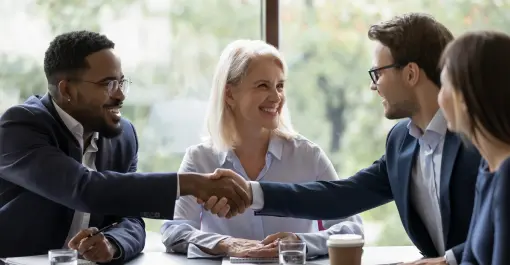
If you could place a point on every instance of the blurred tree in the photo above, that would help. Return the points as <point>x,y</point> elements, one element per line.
<point>324,43</point>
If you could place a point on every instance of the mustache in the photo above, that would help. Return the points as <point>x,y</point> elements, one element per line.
<point>117,104</point>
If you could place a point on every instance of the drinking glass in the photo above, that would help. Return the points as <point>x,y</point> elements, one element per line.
<point>63,257</point>
<point>292,252</point>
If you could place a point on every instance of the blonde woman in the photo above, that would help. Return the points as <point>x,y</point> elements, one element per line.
<point>250,133</point>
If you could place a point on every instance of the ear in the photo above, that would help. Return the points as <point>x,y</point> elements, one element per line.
<point>229,97</point>
<point>64,90</point>
<point>412,74</point>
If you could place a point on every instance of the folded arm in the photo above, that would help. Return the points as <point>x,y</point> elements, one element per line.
<point>184,237</point>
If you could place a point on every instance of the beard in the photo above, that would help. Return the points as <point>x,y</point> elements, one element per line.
<point>400,110</point>
<point>97,123</point>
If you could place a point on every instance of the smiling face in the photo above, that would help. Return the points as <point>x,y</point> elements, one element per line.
<point>92,104</point>
<point>257,99</point>
<point>398,99</point>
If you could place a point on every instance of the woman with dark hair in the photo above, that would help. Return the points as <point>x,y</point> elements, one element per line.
<point>475,97</point>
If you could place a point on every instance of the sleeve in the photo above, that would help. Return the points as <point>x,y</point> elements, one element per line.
<point>454,255</point>
<point>129,236</point>
<point>30,159</point>
<point>501,217</point>
<point>365,190</point>
<point>183,233</point>
<point>316,241</point>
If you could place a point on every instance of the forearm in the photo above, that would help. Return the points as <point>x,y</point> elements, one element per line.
<point>182,237</point>
<point>129,236</point>
<point>314,200</point>
<point>316,242</point>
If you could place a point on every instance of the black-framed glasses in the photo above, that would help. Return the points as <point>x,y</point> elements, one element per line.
<point>375,72</point>
<point>112,86</point>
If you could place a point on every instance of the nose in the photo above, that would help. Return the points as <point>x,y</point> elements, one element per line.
<point>118,95</point>
<point>373,86</point>
<point>275,95</point>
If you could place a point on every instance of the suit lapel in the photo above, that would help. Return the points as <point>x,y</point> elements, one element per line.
<point>412,222</point>
<point>451,148</point>
<point>408,151</point>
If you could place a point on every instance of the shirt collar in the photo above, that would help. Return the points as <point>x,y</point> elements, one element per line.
<point>437,124</point>
<point>75,127</point>
<point>275,148</point>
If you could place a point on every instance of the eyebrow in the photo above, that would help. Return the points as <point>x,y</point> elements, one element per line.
<point>110,78</point>
<point>267,81</point>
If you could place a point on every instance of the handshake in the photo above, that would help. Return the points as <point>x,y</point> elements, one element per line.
<point>223,192</point>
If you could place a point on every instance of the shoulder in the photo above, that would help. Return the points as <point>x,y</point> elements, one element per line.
<point>400,129</point>
<point>128,129</point>
<point>202,150</point>
<point>31,109</point>
<point>31,113</point>
<point>301,146</point>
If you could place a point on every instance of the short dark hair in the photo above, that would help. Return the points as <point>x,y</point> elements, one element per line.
<point>67,52</point>
<point>414,37</point>
<point>478,66</point>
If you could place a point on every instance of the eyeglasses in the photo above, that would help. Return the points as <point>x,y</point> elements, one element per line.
<point>374,72</point>
<point>112,86</point>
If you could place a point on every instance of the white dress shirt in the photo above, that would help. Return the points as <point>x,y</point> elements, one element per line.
<point>292,161</point>
<point>424,185</point>
<point>80,219</point>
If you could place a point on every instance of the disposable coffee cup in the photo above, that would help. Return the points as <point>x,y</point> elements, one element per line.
<point>345,249</point>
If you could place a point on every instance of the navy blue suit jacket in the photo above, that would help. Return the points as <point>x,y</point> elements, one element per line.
<point>42,182</point>
<point>489,235</point>
<point>385,180</point>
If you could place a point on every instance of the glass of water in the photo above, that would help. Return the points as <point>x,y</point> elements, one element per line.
<point>63,257</point>
<point>292,252</point>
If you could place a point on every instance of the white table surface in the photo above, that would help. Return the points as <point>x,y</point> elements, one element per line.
<point>154,254</point>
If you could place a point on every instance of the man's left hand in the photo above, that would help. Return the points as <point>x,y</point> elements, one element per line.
<point>431,261</point>
<point>97,248</point>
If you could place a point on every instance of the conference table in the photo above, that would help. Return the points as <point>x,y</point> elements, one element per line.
<point>154,253</point>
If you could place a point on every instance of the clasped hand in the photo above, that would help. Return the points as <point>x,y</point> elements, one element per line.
<point>227,194</point>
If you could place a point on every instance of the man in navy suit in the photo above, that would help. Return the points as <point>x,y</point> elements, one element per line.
<point>68,162</point>
<point>426,169</point>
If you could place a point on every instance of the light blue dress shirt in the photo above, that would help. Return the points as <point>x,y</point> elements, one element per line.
<point>293,161</point>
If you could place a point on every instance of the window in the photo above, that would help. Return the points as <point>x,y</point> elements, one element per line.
<point>170,50</point>
<point>326,46</point>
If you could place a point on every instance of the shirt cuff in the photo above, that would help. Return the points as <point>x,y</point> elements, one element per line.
<point>450,258</point>
<point>258,196</point>
<point>178,188</point>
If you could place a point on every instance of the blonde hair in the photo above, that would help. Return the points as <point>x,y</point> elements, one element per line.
<point>231,69</point>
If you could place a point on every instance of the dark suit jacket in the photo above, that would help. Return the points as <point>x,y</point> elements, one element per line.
<point>489,235</point>
<point>42,182</point>
<point>385,180</point>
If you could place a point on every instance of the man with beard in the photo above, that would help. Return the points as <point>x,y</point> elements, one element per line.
<point>68,162</point>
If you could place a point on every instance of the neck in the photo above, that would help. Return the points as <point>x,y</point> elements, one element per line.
<point>492,150</point>
<point>427,105</point>
<point>252,143</point>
